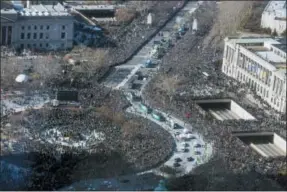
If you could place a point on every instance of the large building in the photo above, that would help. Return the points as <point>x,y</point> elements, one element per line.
<point>39,27</point>
<point>261,64</point>
<point>274,16</point>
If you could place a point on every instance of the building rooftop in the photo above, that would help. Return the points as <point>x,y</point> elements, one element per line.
<point>281,47</point>
<point>45,10</point>
<point>93,7</point>
<point>271,57</point>
<point>8,11</point>
<point>277,8</point>
<point>261,47</point>
<point>251,40</point>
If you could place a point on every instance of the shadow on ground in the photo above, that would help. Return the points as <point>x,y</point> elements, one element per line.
<point>214,176</point>
<point>39,171</point>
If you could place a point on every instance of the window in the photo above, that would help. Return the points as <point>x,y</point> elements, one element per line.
<point>40,45</point>
<point>63,35</point>
<point>63,27</point>
<point>29,27</point>
<point>34,45</point>
<point>28,46</point>
<point>47,35</point>
<point>47,44</point>
<point>22,46</point>
<point>48,27</point>
<point>28,35</point>
<point>35,27</point>
<point>41,27</point>
<point>35,36</point>
<point>62,45</point>
<point>22,35</point>
<point>261,90</point>
<point>41,35</point>
<point>23,27</point>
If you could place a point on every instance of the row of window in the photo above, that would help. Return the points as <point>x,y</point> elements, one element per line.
<point>254,85</point>
<point>276,102</point>
<point>40,35</point>
<point>254,69</point>
<point>278,53</point>
<point>40,45</point>
<point>229,53</point>
<point>41,27</point>
<point>277,85</point>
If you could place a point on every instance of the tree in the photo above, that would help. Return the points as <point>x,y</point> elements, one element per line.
<point>169,85</point>
<point>284,33</point>
<point>274,33</point>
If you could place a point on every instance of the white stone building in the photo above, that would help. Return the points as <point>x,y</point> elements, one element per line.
<point>41,27</point>
<point>261,64</point>
<point>274,16</point>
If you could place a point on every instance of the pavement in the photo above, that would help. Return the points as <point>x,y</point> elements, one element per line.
<point>140,58</point>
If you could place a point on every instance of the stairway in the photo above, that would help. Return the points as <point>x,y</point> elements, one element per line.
<point>268,150</point>
<point>223,114</point>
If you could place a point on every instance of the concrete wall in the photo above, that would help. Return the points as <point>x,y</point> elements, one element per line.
<point>240,111</point>
<point>279,142</point>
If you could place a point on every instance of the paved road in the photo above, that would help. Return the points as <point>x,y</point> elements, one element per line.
<point>191,142</point>
<point>139,59</point>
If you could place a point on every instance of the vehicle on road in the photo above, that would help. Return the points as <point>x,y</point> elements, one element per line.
<point>157,116</point>
<point>177,126</point>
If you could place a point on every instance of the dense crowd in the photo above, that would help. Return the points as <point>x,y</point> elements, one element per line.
<point>188,61</point>
<point>128,147</point>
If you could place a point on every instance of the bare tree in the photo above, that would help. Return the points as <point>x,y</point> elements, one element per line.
<point>95,61</point>
<point>231,16</point>
<point>125,15</point>
<point>169,84</point>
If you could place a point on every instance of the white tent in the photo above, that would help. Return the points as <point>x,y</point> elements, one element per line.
<point>21,78</point>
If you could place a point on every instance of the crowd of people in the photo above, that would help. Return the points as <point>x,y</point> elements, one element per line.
<point>189,60</point>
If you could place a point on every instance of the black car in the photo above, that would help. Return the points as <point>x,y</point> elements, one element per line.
<point>177,126</point>
<point>176,165</point>
<point>177,160</point>
<point>185,150</point>
<point>198,146</point>
<point>190,159</point>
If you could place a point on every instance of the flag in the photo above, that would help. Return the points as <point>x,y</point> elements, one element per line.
<point>258,71</point>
